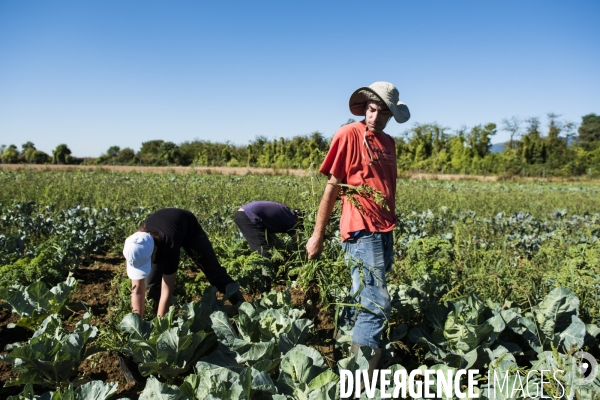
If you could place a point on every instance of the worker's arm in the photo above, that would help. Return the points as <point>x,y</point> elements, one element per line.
<point>166,294</point>
<point>138,296</point>
<point>314,246</point>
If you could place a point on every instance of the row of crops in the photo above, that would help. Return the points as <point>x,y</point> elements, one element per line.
<point>502,277</point>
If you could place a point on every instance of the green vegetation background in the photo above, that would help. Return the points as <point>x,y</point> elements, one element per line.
<point>556,148</point>
<point>506,241</point>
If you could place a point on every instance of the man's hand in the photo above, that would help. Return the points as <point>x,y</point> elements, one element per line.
<point>314,247</point>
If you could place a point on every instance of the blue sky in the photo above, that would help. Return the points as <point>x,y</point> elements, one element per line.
<point>93,73</point>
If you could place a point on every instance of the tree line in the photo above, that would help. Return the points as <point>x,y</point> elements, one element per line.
<point>557,148</point>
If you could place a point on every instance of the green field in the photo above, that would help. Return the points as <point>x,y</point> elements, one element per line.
<point>511,269</point>
<point>100,189</point>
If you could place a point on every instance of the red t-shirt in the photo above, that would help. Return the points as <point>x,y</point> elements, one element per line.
<point>348,160</point>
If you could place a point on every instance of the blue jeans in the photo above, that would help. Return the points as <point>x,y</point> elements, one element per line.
<point>369,255</point>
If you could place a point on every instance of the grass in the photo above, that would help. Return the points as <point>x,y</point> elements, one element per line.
<point>205,192</point>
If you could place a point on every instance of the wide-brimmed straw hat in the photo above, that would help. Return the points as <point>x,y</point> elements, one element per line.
<point>379,91</point>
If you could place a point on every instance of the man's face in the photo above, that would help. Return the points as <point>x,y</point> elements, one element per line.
<point>377,116</point>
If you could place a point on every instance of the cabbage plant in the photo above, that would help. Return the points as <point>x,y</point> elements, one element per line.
<point>168,346</point>
<point>35,302</point>
<point>52,355</point>
<point>94,390</point>
<point>262,334</point>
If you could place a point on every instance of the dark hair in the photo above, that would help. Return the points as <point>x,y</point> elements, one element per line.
<point>158,240</point>
<point>378,101</point>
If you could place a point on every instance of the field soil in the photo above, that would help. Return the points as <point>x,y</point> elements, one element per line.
<point>94,291</point>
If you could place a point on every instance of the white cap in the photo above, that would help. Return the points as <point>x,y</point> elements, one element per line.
<point>138,253</point>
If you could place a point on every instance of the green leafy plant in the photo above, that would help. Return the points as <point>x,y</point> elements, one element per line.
<point>223,383</point>
<point>304,375</point>
<point>460,332</point>
<point>352,192</point>
<point>248,269</point>
<point>263,334</point>
<point>94,390</point>
<point>35,302</point>
<point>52,355</point>
<point>554,322</point>
<point>50,265</point>
<point>170,345</point>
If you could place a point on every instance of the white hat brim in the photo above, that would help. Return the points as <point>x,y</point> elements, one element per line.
<point>139,273</point>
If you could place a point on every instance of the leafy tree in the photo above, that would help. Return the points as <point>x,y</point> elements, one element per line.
<point>149,151</point>
<point>110,155</point>
<point>28,151</point>
<point>429,147</point>
<point>62,154</point>
<point>424,141</point>
<point>113,151</point>
<point>10,154</point>
<point>461,155</point>
<point>421,142</point>
<point>33,156</point>
<point>168,153</point>
<point>226,153</point>
<point>26,146</point>
<point>188,151</point>
<point>480,139</point>
<point>557,149</point>
<point>37,157</point>
<point>532,148</point>
<point>589,131</point>
<point>125,156</point>
<point>28,154</point>
<point>319,140</point>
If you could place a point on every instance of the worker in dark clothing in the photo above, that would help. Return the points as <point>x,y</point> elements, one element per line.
<point>260,220</point>
<point>152,256</point>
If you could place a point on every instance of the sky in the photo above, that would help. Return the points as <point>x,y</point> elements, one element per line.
<point>100,73</point>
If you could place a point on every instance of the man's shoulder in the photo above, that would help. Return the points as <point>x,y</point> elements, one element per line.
<point>349,130</point>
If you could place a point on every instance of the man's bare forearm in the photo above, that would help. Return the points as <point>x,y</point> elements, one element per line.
<point>138,299</point>
<point>314,246</point>
<point>325,209</point>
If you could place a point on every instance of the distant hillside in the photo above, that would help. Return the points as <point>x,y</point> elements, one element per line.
<point>498,147</point>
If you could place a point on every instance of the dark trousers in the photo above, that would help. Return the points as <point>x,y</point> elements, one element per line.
<point>200,250</point>
<point>259,239</point>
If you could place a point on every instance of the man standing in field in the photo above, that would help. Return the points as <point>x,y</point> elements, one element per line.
<point>363,159</point>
